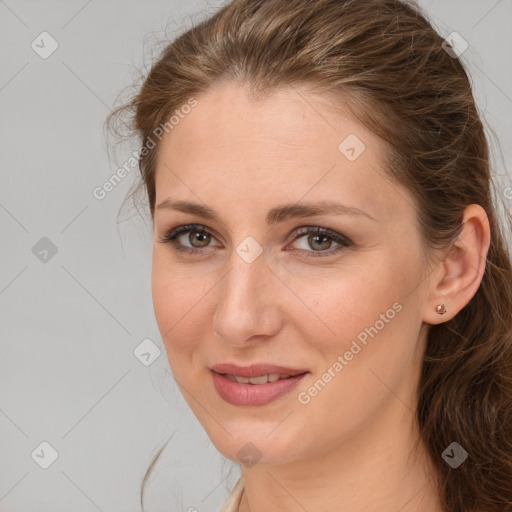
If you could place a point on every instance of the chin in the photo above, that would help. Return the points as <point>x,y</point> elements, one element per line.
<point>251,444</point>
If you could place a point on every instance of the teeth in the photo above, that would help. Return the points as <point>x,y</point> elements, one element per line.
<point>263,379</point>
<point>257,380</point>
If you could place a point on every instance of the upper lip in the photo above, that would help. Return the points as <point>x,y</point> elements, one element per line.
<point>255,370</point>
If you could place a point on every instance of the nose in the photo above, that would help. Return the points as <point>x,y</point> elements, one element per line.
<point>249,302</point>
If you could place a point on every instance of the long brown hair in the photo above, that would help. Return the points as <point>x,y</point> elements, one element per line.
<point>388,62</point>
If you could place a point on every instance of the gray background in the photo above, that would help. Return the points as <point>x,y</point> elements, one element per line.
<point>71,323</point>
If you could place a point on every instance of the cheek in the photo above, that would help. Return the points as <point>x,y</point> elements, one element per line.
<point>343,302</point>
<point>376,323</point>
<point>177,296</point>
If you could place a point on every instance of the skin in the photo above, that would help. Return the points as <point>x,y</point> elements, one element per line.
<point>353,446</point>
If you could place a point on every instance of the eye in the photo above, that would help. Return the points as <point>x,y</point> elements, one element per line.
<point>321,240</point>
<point>198,237</point>
<point>318,238</point>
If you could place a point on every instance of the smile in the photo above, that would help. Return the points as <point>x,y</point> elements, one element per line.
<point>254,391</point>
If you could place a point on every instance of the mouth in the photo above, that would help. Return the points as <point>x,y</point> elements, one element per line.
<point>262,379</point>
<point>254,385</point>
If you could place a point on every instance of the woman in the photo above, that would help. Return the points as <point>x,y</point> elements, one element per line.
<point>330,279</point>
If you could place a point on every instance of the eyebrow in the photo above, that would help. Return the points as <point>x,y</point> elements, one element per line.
<point>275,215</point>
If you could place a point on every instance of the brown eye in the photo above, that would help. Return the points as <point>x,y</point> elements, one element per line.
<point>199,239</point>
<point>319,242</point>
<point>191,239</point>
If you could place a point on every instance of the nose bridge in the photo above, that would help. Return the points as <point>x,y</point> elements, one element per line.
<point>246,307</point>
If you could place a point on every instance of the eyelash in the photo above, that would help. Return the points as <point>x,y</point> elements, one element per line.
<point>170,238</point>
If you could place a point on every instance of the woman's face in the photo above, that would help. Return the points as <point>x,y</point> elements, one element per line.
<point>342,307</point>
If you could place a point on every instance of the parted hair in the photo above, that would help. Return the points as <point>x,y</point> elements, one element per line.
<point>384,61</point>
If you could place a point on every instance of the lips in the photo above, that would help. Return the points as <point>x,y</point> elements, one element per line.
<point>254,385</point>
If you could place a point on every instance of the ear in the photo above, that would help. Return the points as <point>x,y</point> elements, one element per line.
<point>460,272</point>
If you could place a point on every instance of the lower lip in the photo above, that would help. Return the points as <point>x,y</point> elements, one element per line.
<point>253,394</point>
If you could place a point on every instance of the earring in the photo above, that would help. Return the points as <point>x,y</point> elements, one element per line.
<point>441,309</point>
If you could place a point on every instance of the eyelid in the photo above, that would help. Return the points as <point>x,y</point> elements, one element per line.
<point>174,233</point>
<point>307,230</point>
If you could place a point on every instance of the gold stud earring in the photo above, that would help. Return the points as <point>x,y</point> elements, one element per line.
<point>441,309</point>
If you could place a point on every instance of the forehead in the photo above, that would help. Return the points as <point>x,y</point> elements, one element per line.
<point>288,117</point>
<point>282,147</point>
